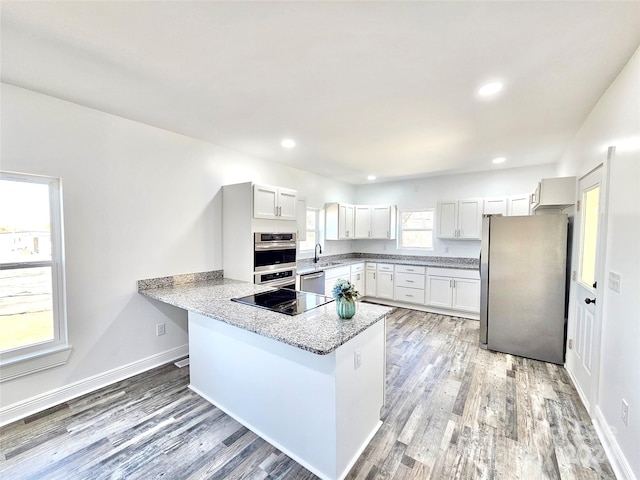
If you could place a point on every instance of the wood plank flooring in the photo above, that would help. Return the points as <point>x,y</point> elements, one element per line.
<point>453,411</point>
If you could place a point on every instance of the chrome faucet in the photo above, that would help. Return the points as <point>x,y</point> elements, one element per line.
<point>315,252</point>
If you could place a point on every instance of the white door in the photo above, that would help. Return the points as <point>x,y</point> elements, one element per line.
<point>265,201</point>
<point>384,285</point>
<point>287,204</point>
<point>447,219</point>
<point>380,222</point>
<point>470,218</point>
<point>584,334</point>
<point>439,291</point>
<point>370,284</point>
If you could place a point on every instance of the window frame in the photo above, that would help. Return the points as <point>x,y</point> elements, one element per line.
<point>400,229</point>
<point>39,356</point>
<point>317,212</point>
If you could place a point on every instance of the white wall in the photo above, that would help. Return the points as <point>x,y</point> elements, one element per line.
<point>139,202</point>
<point>426,192</point>
<point>615,121</point>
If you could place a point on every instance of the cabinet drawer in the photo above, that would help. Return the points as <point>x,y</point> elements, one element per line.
<point>338,272</point>
<point>409,295</point>
<point>410,280</point>
<point>371,266</point>
<point>454,272</point>
<point>358,267</point>
<point>410,269</point>
<point>385,267</point>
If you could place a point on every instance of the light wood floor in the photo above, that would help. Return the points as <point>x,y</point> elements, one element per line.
<point>452,411</point>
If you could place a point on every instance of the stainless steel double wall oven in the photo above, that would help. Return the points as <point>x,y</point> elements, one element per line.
<point>274,260</point>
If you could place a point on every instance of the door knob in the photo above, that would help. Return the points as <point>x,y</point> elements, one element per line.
<point>590,300</point>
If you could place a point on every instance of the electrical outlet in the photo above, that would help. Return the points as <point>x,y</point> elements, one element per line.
<point>614,281</point>
<point>160,329</point>
<point>625,412</point>
<point>357,359</point>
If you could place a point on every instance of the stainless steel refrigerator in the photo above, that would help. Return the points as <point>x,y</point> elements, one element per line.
<point>523,271</point>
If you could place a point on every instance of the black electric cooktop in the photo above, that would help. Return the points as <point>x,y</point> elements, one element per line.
<point>283,300</point>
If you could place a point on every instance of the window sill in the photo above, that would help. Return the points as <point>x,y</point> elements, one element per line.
<point>20,366</point>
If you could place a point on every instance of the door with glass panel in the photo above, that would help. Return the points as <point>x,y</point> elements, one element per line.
<point>584,334</point>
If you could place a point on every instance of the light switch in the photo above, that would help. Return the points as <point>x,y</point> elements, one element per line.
<point>614,281</point>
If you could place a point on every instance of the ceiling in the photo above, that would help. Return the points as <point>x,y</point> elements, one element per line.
<point>383,88</point>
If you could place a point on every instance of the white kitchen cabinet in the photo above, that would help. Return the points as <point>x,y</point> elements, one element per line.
<point>271,202</point>
<point>370,285</point>
<point>453,289</point>
<point>332,275</point>
<point>301,222</point>
<point>375,221</point>
<point>519,205</point>
<point>409,284</point>
<point>384,281</point>
<point>339,221</point>
<point>358,277</point>
<point>460,219</point>
<point>495,206</point>
<point>554,194</point>
<point>362,222</point>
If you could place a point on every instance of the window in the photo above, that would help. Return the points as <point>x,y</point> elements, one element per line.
<point>313,230</point>
<point>32,313</point>
<point>416,229</point>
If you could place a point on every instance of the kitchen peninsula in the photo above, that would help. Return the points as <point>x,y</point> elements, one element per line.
<point>310,384</point>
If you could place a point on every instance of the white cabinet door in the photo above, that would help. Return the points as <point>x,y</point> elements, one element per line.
<point>466,294</point>
<point>447,219</point>
<point>382,221</point>
<point>362,222</point>
<point>370,287</point>
<point>470,219</point>
<point>274,202</point>
<point>439,291</point>
<point>265,201</point>
<point>461,219</point>
<point>345,221</point>
<point>384,283</point>
<point>519,205</point>
<point>358,282</point>
<point>495,206</point>
<point>287,204</point>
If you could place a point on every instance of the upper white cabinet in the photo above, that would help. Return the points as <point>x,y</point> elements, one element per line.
<point>339,221</point>
<point>344,221</point>
<point>554,193</point>
<point>518,205</point>
<point>460,219</point>
<point>375,221</point>
<point>495,206</point>
<point>274,202</point>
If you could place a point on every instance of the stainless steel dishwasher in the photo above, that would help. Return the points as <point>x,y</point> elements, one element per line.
<point>312,282</point>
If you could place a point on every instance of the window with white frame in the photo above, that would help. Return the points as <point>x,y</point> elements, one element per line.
<point>313,230</point>
<point>32,297</point>
<point>415,230</point>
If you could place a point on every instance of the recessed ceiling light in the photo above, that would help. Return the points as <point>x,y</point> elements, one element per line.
<point>371,177</point>
<point>499,160</point>
<point>288,143</point>
<point>490,89</point>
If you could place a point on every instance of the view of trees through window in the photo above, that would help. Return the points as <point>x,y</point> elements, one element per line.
<point>416,229</point>
<point>26,291</point>
<point>312,230</point>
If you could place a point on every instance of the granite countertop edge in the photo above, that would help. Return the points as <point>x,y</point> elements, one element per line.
<point>325,263</point>
<point>318,331</point>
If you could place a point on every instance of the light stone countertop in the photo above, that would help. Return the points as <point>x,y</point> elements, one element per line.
<point>307,266</point>
<point>318,331</point>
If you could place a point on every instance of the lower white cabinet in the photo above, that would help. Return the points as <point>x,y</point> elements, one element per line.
<point>371,283</point>
<point>384,281</point>
<point>357,277</point>
<point>332,275</point>
<point>453,289</point>
<point>409,284</point>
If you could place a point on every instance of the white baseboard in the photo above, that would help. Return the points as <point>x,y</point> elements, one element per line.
<point>616,458</point>
<point>36,404</point>
<point>618,461</point>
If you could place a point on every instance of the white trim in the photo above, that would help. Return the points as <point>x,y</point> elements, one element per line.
<point>36,404</point>
<point>576,385</point>
<point>34,362</point>
<point>616,457</point>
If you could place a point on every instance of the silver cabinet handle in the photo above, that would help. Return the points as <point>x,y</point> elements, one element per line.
<point>409,281</point>
<point>450,283</point>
